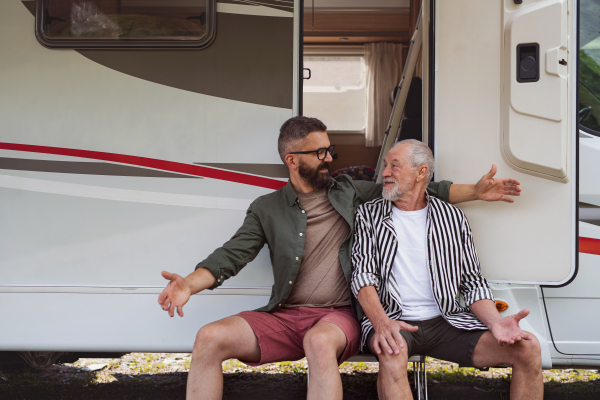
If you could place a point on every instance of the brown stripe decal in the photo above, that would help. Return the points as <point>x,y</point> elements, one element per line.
<point>270,170</point>
<point>85,168</point>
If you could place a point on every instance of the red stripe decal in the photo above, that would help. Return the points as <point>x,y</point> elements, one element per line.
<point>163,165</point>
<point>589,245</point>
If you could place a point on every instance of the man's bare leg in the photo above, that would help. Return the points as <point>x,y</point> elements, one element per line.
<point>392,380</point>
<point>323,344</point>
<point>231,337</point>
<point>525,359</point>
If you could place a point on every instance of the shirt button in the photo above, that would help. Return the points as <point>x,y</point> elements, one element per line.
<point>279,304</point>
<point>218,280</point>
<point>303,211</point>
<point>290,282</point>
<point>300,233</point>
<point>297,258</point>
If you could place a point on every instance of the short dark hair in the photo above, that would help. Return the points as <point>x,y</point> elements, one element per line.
<point>295,129</point>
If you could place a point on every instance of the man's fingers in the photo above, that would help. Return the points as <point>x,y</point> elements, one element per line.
<point>167,275</point>
<point>180,311</point>
<point>521,314</point>
<point>527,336</point>
<point>398,339</point>
<point>492,172</point>
<point>407,327</point>
<point>507,199</point>
<point>389,337</point>
<point>384,345</point>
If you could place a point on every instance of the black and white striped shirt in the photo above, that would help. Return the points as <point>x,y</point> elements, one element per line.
<point>453,264</point>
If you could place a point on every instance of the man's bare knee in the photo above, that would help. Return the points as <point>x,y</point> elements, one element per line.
<point>529,352</point>
<point>210,341</point>
<point>319,342</point>
<point>394,365</point>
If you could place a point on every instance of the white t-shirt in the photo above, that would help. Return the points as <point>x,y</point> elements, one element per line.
<point>410,265</point>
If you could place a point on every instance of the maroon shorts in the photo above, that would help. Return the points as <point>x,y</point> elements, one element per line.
<point>280,333</point>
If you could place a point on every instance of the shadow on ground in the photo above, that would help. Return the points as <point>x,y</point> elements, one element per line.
<point>254,386</point>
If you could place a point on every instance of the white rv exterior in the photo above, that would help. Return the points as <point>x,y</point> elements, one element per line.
<point>118,163</point>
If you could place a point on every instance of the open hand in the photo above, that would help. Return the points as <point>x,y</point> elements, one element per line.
<point>490,189</point>
<point>387,336</point>
<point>507,330</point>
<point>175,295</point>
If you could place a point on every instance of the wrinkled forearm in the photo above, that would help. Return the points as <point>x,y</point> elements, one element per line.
<point>485,311</point>
<point>371,305</point>
<point>461,193</point>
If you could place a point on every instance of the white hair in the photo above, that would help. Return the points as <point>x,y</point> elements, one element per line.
<point>419,154</point>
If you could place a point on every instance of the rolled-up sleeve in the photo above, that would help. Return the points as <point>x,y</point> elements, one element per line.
<point>365,271</point>
<point>243,247</point>
<point>474,286</point>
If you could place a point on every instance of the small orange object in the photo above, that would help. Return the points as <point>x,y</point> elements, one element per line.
<point>501,305</point>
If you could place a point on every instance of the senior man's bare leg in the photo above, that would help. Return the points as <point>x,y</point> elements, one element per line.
<point>231,337</point>
<point>323,344</point>
<point>392,380</point>
<point>524,357</point>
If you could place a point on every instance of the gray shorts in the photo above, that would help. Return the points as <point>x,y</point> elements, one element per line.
<point>438,339</point>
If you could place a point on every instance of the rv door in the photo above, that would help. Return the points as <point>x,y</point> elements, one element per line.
<point>501,89</point>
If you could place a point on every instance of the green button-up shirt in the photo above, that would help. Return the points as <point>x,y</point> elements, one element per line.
<point>279,220</point>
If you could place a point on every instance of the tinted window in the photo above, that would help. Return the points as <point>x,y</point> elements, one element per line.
<point>68,22</point>
<point>589,65</point>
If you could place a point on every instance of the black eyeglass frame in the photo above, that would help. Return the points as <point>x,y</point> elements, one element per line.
<point>330,150</point>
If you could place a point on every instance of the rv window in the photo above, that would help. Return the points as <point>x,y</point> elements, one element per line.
<point>124,23</point>
<point>589,66</point>
<point>335,93</point>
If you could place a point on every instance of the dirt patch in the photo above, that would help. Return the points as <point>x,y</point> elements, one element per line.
<point>163,376</point>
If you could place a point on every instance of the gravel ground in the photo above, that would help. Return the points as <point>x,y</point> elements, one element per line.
<point>163,376</point>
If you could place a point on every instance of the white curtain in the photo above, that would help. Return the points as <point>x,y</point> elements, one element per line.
<point>383,63</point>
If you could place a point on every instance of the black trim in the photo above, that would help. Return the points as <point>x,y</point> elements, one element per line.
<point>431,77</point>
<point>552,337</point>
<point>301,59</point>
<point>579,126</point>
<point>211,14</point>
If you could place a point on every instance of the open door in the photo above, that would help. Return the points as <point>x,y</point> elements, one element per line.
<point>501,90</point>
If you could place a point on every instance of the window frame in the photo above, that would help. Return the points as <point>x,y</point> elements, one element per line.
<point>337,51</point>
<point>83,43</point>
<point>580,126</point>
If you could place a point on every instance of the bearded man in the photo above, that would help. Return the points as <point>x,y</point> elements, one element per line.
<point>413,257</point>
<point>307,225</point>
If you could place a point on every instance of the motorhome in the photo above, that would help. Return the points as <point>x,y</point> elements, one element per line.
<point>135,133</point>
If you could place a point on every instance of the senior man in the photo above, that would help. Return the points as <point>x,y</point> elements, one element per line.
<point>412,256</point>
<point>307,226</point>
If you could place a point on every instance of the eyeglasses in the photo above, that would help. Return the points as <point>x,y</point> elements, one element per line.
<point>321,153</point>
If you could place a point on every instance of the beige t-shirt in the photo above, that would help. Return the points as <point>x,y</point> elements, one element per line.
<point>320,281</point>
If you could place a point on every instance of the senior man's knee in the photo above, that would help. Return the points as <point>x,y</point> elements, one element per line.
<point>394,365</point>
<point>320,342</point>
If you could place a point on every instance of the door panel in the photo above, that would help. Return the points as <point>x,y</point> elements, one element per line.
<point>532,240</point>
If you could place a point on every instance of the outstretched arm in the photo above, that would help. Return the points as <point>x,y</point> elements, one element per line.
<point>505,330</point>
<point>179,289</point>
<point>488,189</point>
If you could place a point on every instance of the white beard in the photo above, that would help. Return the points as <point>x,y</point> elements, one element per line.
<point>393,193</point>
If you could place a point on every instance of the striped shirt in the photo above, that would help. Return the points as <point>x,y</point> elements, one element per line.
<point>453,264</point>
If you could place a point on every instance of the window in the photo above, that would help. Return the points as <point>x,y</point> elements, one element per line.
<point>125,23</point>
<point>336,93</point>
<point>589,66</point>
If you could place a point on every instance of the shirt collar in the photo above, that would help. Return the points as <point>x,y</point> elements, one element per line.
<point>388,207</point>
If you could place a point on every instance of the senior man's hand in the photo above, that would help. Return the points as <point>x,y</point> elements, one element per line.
<point>387,336</point>
<point>507,330</point>
<point>492,189</point>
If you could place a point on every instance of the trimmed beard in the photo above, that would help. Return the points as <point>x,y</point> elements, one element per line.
<point>391,194</point>
<point>318,180</point>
